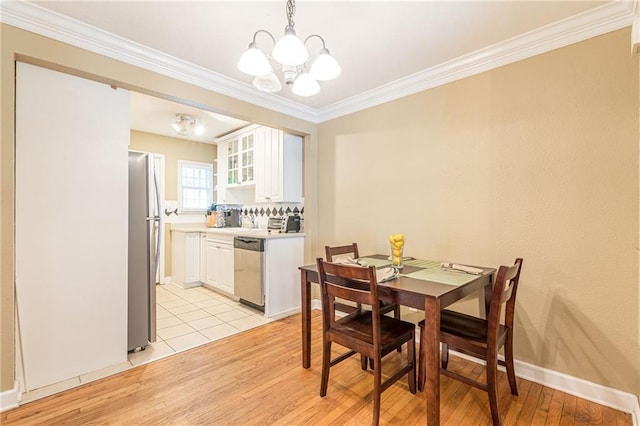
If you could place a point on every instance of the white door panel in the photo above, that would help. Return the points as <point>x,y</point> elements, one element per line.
<point>72,136</point>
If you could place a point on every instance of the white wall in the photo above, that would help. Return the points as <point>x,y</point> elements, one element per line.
<point>71,224</point>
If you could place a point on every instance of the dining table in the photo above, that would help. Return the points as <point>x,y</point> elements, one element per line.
<point>423,285</point>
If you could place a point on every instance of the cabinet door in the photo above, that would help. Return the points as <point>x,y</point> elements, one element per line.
<point>219,268</point>
<point>246,158</point>
<point>275,166</point>
<point>233,162</point>
<point>226,267</point>
<point>268,165</point>
<point>211,260</point>
<point>192,257</point>
<point>203,257</point>
<point>262,141</point>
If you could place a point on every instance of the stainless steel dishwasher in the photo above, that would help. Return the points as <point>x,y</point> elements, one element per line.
<point>248,261</point>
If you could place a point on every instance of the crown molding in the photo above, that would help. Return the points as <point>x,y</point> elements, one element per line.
<point>31,17</point>
<point>592,23</point>
<point>606,18</point>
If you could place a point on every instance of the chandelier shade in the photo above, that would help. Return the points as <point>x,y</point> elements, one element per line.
<point>305,85</point>
<point>267,83</point>
<point>291,58</point>
<point>325,67</point>
<point>254,62</point>
<point>290,50</point>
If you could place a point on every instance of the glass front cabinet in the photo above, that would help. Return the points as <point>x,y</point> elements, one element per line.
<point>240,159</point>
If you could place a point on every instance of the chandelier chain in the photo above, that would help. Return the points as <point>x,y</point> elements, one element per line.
<point>291,10</point>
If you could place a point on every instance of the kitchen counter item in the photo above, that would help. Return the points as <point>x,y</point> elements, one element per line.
<point>212,219</point>
<point>291,223</point>
<point>274,223</point>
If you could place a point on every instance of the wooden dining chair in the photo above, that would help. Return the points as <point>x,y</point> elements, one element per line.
<point>332,254</point>
<point>366,332</point>
<point>482,338</point>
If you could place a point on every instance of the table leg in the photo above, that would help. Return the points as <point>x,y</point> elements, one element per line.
<point>306,319</point>
<point>431,353</point>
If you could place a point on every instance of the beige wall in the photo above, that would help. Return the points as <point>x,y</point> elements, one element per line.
<point>29,47</point>
<point>174,149</point>
<point>537,159</point>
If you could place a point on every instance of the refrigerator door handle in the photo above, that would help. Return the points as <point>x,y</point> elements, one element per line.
<point>158,217</point>
<point>152,280</point>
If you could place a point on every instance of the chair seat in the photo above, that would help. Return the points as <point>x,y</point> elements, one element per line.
<point>465,326</point>
<point>359,326</point>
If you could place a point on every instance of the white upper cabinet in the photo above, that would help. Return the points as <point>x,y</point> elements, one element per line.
<point>236,157</point>
<point>278,166</point>
<point>266,157</point>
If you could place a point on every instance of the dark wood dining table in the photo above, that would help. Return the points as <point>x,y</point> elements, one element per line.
<point>430,296</point>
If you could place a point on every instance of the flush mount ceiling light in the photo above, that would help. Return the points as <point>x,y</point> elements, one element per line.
<point>187,125</point>
<point>292,57</point>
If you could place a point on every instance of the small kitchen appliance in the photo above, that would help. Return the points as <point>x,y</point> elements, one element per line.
<point>291,223</point>
<point>228,217</point>
<point>274,223</point>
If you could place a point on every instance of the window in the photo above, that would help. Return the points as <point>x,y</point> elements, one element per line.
<point>195,185</point>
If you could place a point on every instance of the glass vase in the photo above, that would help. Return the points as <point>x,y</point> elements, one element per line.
<point>396,256</point>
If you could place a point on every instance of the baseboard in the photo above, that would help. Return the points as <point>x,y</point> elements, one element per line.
<point>285,314</point>
<point>581,388</point>
<point>316,304</point>
<point>165,280</point>
<point>575,386</point>
<point>9,398</point>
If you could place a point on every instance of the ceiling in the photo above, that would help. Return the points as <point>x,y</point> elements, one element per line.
<point>154,115</point>
<point>387,49</point>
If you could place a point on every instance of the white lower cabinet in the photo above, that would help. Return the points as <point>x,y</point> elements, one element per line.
<point>283,256</point>
<point>218,271</point>
<point>207,258</point>
<point>185,259</point>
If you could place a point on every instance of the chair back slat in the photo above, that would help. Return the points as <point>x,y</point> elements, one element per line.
<point>507,293</point>
<point>346,293</point>
<point>341,250</point>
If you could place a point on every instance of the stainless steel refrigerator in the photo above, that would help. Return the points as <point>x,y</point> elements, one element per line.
<point>144,247</point>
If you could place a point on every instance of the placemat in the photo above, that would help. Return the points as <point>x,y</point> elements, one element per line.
<point>442,277</point>
<point>372,261</point>
<point>429,264</point>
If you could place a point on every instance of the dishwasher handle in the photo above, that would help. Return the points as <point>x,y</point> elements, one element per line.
<point>248,243</point>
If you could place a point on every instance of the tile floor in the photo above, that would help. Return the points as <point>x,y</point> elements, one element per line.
<point>191,317</point>
<point>185,318</point>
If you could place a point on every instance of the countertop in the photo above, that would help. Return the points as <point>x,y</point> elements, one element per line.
<point>244,232</point>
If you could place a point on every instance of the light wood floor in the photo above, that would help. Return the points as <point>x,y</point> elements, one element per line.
<point>256,378</point>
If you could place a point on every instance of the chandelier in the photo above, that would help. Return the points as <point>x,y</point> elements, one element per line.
<point>292,57</point>
<point>187,125</point>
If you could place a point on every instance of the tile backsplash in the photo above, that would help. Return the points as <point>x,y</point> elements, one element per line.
<point>264,211</point>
